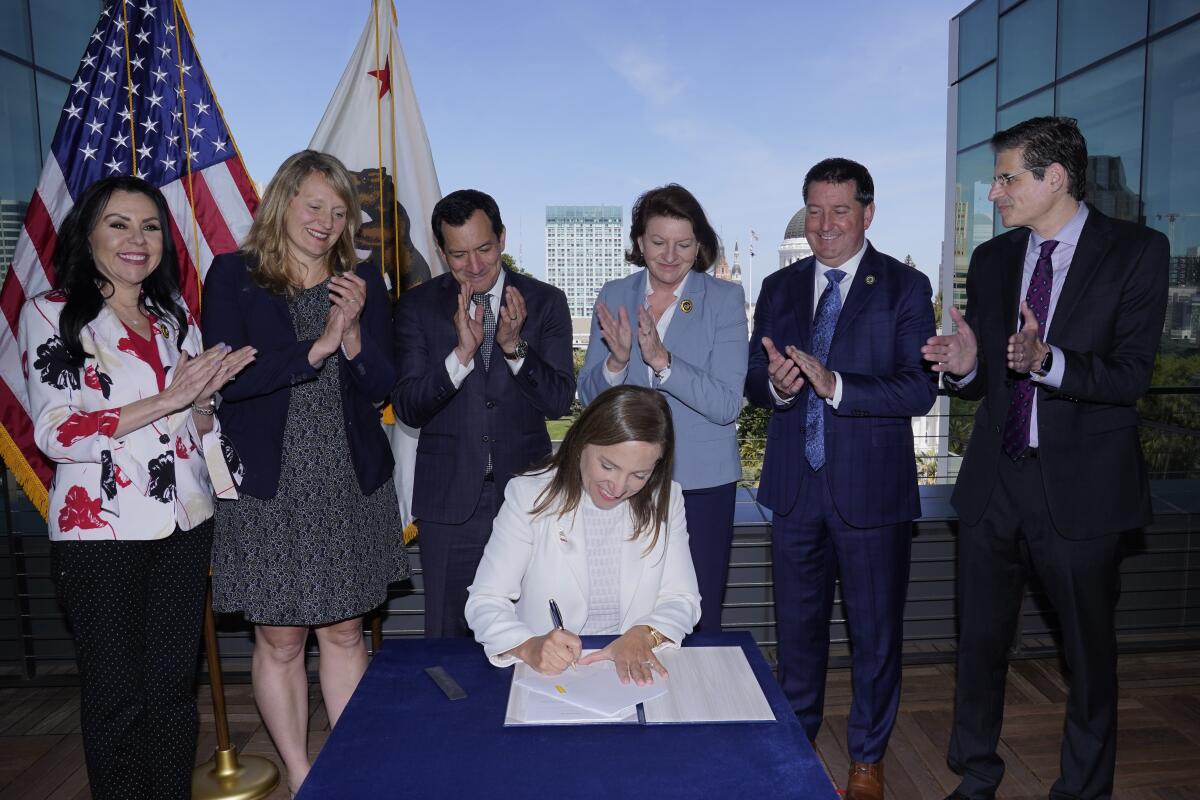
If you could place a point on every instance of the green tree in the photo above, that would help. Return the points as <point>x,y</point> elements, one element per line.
<point>752,442</point>
<point>510,262</point>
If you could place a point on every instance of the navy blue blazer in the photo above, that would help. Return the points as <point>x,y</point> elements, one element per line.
<point>254,405</point>
<point>708,369</point>
<point>493,410</point>
<point>870,462</point>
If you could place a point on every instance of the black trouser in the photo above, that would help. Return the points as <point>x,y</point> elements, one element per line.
<point>136,610</point>
<point>1081,581</point>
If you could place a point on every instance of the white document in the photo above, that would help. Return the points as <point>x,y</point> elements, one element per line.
<point>594,688</point>
<point>527,708</point>
<point>709,684</point>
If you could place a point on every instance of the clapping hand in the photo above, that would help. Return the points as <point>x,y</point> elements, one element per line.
<point>512,319</point>
<point>954,353</point>
<point>1025,347</point>
<point>468,327</point>
<point>617,333</point>
<point>784,371</point>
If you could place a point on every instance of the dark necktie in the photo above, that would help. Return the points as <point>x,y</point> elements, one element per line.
<point>824,322</point>
<point>489,327</point>
<point>1020,406</point>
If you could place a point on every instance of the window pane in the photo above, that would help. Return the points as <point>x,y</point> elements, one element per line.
<point>972,212</point>
<point>60,33</point>
<point>1172,191</point>
<point>977,107</point>
<point>1026,49</point>
<point>976,36</point>
<point>52,96</point>
<point>1091,29</point>
<point>19,159</point>
<point>14,33</point>
<point>1107,101</point>
<point>1165,13</point>
<point>1040,105</point>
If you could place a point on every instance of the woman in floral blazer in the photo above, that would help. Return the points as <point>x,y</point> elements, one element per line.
<point>121,396</point>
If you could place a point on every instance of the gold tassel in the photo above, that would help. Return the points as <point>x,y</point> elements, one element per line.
<point>410,532</point>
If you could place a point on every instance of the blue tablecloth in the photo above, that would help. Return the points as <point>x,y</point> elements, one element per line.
<point>400,737</point>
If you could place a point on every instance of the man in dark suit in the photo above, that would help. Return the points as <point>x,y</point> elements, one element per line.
<point>484,359</point>
<point>844,378</point>
<point>1063,319</point>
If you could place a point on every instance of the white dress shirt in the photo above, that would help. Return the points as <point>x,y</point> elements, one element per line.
<point>664,322</point>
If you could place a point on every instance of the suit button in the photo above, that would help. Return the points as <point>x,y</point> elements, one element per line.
<point>997,429</point>
<point>491,403</point>
<point>485,438</point>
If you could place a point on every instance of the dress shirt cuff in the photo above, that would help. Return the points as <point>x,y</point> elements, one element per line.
<point>1054,377</point>
<point>515,364</point>
<point>456,370</point>
<point>660,377</point>
<point>957,383</point>
<point>614,378</point>
<point>837,391</point>
<point>779,401</point>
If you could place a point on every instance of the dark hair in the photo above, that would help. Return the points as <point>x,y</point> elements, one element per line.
<point>620,414</point>
<point>675,202</point>
<point>457,207</point>
<point>840,170</point>
<point>76,275</point>
<point>1049,140</point>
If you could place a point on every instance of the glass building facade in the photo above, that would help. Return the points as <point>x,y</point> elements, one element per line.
<point>41,42</point>
<point>1129,71</point>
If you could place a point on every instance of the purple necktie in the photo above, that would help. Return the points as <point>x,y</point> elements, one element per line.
<point>1020,407</point>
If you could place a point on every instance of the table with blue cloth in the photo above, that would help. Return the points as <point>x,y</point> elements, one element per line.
<point>401,737</point>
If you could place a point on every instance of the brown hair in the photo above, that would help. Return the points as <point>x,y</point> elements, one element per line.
<point>620,414</point>
<point>266,243</point>
<point>675,202</point>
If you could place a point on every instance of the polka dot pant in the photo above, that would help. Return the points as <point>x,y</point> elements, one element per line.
<point>135,610</point>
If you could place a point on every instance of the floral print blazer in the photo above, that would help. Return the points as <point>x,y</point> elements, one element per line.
<point>136,487</point>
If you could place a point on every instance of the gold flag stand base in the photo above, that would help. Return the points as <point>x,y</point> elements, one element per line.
<point>226,777</point>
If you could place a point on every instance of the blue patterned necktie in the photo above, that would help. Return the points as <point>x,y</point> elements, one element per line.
<point>824,322</point>
<point>1020,406</point>
<point>489,327</point>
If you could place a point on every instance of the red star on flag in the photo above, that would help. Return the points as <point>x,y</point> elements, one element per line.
<point>384,76</point>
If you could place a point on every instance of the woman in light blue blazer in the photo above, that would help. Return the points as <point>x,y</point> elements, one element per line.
<point>674,328</point>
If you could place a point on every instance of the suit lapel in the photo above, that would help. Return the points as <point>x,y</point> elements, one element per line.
<point>632,565</point>
<point>868,279</point>
<point>567,534</point>
<point>1093,242</point>
<point>684,324</point>
<point>1012,271</point>
<point>801,299</point>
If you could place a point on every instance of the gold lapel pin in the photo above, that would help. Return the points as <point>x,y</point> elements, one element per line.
<point>162,330</point>
<point>870,280</point>
<point>686,306</point>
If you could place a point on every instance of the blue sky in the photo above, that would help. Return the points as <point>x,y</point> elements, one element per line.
<point>548,103</point>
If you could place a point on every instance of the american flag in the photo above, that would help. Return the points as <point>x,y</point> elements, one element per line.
<point>141,105</point>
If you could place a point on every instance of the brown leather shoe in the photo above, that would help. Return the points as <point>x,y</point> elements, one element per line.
<point>865,781</point>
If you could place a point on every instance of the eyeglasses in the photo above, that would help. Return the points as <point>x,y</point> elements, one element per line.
<point>1007,179</point>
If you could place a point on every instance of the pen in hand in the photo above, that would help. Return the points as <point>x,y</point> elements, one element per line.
<point>556,620</point>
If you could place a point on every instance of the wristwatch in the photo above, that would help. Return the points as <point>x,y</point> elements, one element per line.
<point>521,351</point>
<point>1043,369</point>
<point>656,636</point>
<point>659,373</point>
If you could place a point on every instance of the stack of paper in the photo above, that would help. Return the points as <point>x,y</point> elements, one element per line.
<point>590,693</point>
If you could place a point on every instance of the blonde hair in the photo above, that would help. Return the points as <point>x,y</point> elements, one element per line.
<point>266,244</point>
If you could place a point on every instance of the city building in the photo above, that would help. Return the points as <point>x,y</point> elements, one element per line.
<point>1126,69</point>
<point>794,245</point>
<point>584,250</point>
<point>40,47</point>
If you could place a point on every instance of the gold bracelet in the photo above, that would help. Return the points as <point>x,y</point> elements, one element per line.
<point>656,636</point>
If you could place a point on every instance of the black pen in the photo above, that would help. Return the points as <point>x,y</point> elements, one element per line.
<point>556,620</point>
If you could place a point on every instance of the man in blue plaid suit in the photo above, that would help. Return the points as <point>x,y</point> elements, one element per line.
<point>836,354</point>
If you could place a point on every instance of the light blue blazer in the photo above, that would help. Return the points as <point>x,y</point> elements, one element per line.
<point>708,370</point>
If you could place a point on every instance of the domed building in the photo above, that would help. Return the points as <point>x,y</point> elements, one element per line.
<point>794,245</point>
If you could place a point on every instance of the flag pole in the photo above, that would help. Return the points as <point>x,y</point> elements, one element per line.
<point>225,776</point>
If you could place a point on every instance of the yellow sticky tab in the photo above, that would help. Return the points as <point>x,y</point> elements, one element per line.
<point>561,690</point>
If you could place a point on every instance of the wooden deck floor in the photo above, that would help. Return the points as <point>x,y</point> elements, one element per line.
<point>1158,758</point>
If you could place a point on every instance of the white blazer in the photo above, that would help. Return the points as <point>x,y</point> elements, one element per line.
<point>529,561</point>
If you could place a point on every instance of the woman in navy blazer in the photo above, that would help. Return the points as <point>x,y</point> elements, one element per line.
<point>674,328</point>
<point>315,539</point>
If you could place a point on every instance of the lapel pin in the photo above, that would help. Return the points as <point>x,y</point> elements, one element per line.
<point>562,535</point>
<point>162,330</point>
<point>686,306</point>
<point>870,280</point>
